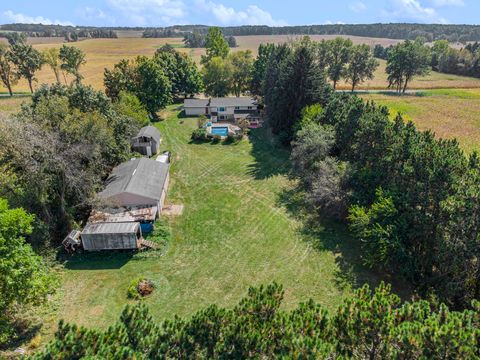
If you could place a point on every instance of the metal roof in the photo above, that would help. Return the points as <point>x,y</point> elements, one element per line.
<point>196,102</point>
<point>149,131</point>
<point>111,228</point>
<point>142,176</point>
<point>232,101</point>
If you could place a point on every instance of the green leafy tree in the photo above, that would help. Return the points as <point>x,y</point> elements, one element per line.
<point>440,51</point>
<point>26,59</point>
<point>339,51</point>
<point>405,61</point>
<point>51,57</point>
<point>153,87</point>
<point>361,65</point>
<point>242,66</point>
<point>24,278</point>
<point>217,76</point>
<point>215,44</point>
<point>8,73</point>
<point>260,68</point>
<point>72,59</point>
<point>122,77</point>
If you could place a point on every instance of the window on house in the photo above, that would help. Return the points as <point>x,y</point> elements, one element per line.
<point>237,107</point>
<point>250,108</point>
<point>221,109</point>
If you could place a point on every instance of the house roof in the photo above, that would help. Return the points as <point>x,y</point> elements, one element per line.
<point>195,103</point>
<point>232,101</point>
<point>149,131</point>
<point>111,228</point>
<point>223,101</point>
<point>142,176</point>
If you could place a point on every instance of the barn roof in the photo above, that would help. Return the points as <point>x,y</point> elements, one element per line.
<point>142,176</point>
<point>149,131</point>
<point>111,228</point>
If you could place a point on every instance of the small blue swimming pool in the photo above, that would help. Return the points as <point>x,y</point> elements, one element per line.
<point>222,131</point>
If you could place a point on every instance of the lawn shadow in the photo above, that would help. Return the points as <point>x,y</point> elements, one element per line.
<point>326,234</point>
<point>271,158</point>
<point>98,260</point>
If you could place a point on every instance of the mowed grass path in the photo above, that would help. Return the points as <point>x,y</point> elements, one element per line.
<point>233,233</point>
<point>450,113</point>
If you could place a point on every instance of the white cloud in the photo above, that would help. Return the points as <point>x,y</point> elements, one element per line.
<point>358,7</point>
<point>93,14</point>
<point>25,19</point>
<point>151,12</point>
<point>252,15</point>
<point>330,22</point>
<point>412,10</point>
<point>440,3</point>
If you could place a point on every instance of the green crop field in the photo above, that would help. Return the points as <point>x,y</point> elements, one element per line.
<point>450,113</point>
<point>240,227</point>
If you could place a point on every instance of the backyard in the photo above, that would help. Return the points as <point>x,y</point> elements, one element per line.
<point>240,227</point>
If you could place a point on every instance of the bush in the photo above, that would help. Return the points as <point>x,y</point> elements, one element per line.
<point>199,134</point>
<point>140,288</point>
<point>216,139</point>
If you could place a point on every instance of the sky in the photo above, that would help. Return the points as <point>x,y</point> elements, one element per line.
<point>231,13</point>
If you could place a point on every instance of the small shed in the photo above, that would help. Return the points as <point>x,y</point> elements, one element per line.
<point>147,141</point>
<point>111,236</point>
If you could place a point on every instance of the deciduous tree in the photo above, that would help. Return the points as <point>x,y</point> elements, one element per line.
<point>51,57</point>
<point>72,59</point>
<point>8,73</point>
<point>361,65</point>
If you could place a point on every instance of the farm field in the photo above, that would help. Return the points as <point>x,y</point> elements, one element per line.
<point>104,53</point>
<point>236,230</point>
<point>450,113</point>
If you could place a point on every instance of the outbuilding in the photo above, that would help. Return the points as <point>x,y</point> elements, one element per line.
<point>147,141</point>
<point>140,183</point>
<point>111,236</point>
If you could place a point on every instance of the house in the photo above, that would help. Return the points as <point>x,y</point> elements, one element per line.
<point>111,236</point>
<point>230,109</point>
<point>138,183</point>
<point>147,141</point>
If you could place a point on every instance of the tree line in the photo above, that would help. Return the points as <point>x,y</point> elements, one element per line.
<point>198,40</point>
<point>411,200</point>
<point>367,325</point>
<point>70,32</point>
<point>431,32</point>
<point>444,58</point>
<point>20,60</point>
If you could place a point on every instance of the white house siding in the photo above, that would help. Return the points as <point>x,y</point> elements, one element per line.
<point>194,111</point>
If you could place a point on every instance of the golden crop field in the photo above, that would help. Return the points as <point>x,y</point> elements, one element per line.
<point>104,53</point>
<point>449,113</point>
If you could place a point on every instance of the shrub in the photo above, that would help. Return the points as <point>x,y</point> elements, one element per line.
<point>139,288</point>
<point>216,139</point>
<point>199,134</point>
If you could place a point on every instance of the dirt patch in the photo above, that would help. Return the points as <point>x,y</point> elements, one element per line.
<point>145,288</point>
<point>172,210</point>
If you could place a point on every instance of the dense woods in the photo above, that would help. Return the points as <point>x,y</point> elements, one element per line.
<point>431,32</point>
<point>404,193</point>
<point>368,325</point>
<point>70,33</point>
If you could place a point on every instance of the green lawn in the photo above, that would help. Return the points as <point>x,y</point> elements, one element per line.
<point>240,227</point>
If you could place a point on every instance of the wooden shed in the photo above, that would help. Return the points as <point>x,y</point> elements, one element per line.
<point>111,236</point>
<point>147,141</point>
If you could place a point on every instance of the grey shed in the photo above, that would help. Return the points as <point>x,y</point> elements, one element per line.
<point>137,182</point>
<point>111,236</point>
<point>147,141</point>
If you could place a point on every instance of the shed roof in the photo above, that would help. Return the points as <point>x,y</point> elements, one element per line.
<point>195,103</point>
<point>149,131</point>
<point>142,176</point>
<point>232,101</point>
<point>111,228</point>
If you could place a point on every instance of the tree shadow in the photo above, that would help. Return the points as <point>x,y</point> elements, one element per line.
<point>271,158</point>
<point>107,260</point>
<point>325,234</point>
<point>25,331</point>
